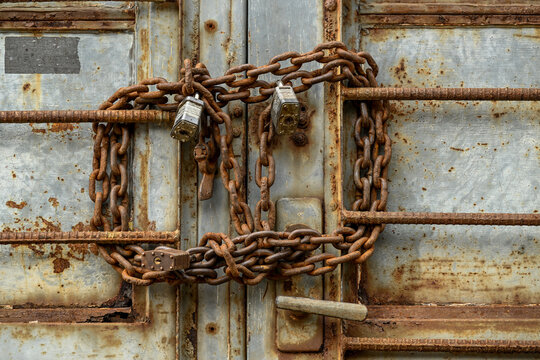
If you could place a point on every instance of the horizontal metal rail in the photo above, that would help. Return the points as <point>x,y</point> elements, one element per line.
<point>80,116</point>
<point>441,345</point>
<point>89,237</point>
<point>516,94</point>
<point>371,217</point>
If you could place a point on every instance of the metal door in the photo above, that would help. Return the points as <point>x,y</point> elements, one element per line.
<point>455,284</point>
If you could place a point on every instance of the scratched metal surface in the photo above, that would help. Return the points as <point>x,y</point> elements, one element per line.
<point>459,157</point>
<point>108,61</point>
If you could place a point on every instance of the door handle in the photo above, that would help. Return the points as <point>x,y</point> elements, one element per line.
<point>342,310</point>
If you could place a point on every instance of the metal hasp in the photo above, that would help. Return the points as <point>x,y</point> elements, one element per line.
<point>285,111</point>
<point>347,311</point>
<point>165,259</point>
<point>188,118</point>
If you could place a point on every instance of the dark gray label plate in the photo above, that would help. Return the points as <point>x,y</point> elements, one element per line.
<point>45,55</point>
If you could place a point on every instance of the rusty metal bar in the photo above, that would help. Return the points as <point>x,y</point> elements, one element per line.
<point>80,116</point>
<point>441,345</point>
<point>88,237</point>
<point>371,217</point>
<point>492,94</point>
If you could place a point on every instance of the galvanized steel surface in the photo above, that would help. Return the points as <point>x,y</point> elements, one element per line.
<point>475,157</point>
<point>131,335</point>
<point>48,190</point>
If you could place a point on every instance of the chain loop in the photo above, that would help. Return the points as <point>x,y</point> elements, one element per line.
<point>251,256</point>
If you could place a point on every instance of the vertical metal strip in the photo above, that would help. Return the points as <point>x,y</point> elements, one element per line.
<point>275,27</point>
<point>221,308</point>
<point>155,160</point>
<point>188,297</point>
<point>332,181</point>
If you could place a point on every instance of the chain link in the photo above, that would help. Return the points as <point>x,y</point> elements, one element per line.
<point>258,251</point>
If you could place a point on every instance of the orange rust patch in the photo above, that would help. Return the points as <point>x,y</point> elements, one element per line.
<point>60,265</point>
<point>53,201</point>
<point>79,227</point>
<point>37,131</point>
<point>77,251</point>
<point>13,204</point>
<point>60,127</point>
<point>26,87</point>
<point>48,225</point>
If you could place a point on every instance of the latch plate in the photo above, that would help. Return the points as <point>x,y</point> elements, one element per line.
<point>165,259</point>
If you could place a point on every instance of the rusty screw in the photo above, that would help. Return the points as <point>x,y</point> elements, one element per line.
<point>299,138</point>
<point>238,111</point>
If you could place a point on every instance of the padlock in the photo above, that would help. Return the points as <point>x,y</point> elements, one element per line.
<point>285,110</point>
<point>164,258</point>
<point>188,117</point>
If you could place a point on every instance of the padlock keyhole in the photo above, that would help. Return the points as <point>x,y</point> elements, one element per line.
<point>157,260</point>
<point>288,120</point>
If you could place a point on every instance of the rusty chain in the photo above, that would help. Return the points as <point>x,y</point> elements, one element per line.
<point>258,251</point>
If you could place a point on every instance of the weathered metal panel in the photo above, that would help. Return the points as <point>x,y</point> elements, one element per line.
<point>455,157</point>
<point>276,27</point>
<point>48,190</point>
<point>459,157</point>
<point>299,332</point>
<point>221,311</point>
<point>108,61</point>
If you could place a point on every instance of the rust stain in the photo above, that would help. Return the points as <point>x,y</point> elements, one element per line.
<point>212,328</point>
<point>211,25</point>
<point>59,127</point>
<point>77,251</point>
<point>142,217</point>
<point>48,225</point>
<point>37,130</point>
<point>60,264</point>
<point>142,68</point>
<point>53,201</point>
<point>26,87</point>
<point>80,227</point>
<point>36,92</point>
<point>459,149</point>
<point>13,204</point>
